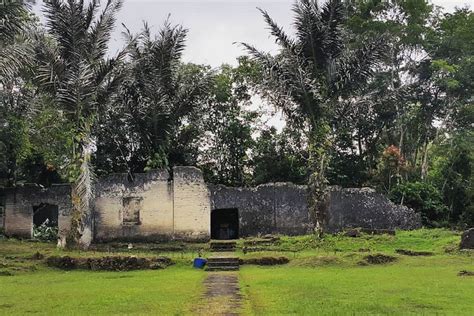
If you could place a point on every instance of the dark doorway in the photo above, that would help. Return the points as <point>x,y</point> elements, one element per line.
<point>45,214</point>
<point>225,224</point>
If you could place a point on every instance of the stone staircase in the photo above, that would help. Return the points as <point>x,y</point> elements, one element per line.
<point>222,245</point>
<point>222,263</point>
<point>222,260</point>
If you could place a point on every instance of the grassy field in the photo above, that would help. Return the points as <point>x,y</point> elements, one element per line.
<point>413,286</point>
<point>324,277</point>
<point>167,292</point>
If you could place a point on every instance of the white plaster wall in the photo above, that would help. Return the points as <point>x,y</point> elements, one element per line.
<point>156,210</point>
<point>192,209</point>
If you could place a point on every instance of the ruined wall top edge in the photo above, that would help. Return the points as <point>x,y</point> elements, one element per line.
<point>220,187</point>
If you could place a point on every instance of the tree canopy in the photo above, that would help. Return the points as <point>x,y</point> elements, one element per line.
<point>371,93</point>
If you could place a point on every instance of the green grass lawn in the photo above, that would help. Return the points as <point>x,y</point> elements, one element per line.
<point>324,277</point>
<point>171,291</point>
<point>413,286</point>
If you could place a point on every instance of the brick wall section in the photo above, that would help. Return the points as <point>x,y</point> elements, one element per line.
<point>192,212</point>
<point>153,189</point>
<point>19,204</point>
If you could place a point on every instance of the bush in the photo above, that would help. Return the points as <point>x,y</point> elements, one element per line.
<point>265,261</point>
<point>109,263</point>
<point>424,198</point>
<point>44,232</point>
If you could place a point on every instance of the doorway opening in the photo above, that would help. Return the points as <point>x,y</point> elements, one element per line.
<point>225,224</point>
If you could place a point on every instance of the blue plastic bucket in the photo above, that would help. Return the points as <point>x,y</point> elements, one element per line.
<point>199,263</point>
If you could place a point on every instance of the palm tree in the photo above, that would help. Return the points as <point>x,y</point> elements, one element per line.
<point>309,77</point>
<point>15,49</point>
<point>75,72</point>
<point>159,94</point>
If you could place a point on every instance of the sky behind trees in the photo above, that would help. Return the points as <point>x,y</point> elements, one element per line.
<point>215,26</point>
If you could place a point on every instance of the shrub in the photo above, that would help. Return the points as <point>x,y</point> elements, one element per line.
<point>424,198</point>
<point>44,232</point>
<point>265,261</point>
<point>112,263</point>
<point>379,259</point>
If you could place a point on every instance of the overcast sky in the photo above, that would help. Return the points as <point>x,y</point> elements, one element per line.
<point>215,25</point>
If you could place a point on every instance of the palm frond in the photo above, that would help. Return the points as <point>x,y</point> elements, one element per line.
<point>101,30</point>
<point>332,17</point>
<point>12,20</point>
<point>277,31</point>
<point>13,58</point>
<point>355,67</point>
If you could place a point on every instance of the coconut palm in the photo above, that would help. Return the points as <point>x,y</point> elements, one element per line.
<point>76,73</point>
<point>311,74</point>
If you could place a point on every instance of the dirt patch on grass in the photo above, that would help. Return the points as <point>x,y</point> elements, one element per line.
<point>115,263</point>
<point>377,259</point>
<point>264,261</point>
<point>413,253</point>
<point>466,273</point>
<point>317,261</point>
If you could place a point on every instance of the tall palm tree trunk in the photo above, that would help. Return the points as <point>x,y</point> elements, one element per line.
<point>82,194</point>
<point>318,194</point>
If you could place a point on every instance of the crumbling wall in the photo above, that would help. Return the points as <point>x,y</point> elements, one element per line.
<point>277,208</point>
<point>141,209</point>
<point>282,208</point>
<point>19,203</point>
<point>350,208</point>
<point>192,212</point>
<point>155,207</point>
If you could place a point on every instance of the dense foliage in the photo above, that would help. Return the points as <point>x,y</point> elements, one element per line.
<point>372,93</point>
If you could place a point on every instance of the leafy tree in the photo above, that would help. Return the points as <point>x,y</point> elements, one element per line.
<point>228,127</point>
<point>277,157</point>
<point>423,198</point>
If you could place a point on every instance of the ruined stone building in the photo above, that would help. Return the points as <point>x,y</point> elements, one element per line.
<point>160,206</point>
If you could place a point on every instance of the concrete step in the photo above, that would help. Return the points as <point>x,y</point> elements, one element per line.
<point>222,249</point>
<point>222,268</point>
<point>222,259</point>
<point>222,245</point>
<point>222,263</point>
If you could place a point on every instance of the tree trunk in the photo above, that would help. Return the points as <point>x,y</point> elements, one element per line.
<point>318,195</point>
<point>424,163</point>
<point>80,234</point>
